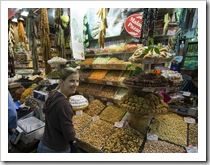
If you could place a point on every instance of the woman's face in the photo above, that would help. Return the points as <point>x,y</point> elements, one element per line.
<point>70,84</point>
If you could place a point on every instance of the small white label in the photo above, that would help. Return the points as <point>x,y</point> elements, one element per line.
<point>191,149</point>
<point>109,103</point>
<point>109,83</point>
<point>152,136</point>
<point>94,118</point>
<point>119,124</point>
<point>78,113</point>
<point>186,93</point>
<point>189,120</point>
<point>82,79</point>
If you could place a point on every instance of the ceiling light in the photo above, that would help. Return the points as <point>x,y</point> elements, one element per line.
<point>14,19</point>
<point>24,13</point>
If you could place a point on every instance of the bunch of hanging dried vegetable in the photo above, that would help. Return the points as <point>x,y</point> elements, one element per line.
<point>59,33</point>
<point>102,32</point>
<point>21,33</point>
<point>31,32</point>
<point>45,38</point>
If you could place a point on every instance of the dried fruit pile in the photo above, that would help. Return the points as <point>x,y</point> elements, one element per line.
<point>94,108</point>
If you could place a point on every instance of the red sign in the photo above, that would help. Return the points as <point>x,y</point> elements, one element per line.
<point>133,25</point>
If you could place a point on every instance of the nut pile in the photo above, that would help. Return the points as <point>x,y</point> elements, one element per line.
<point>88,61</point>
<point>170,127</point>
<point>85,73</point>
<point>112,114</point>
<point>112,75</point>
<point>147,80</point>
<point>94,108</point>
<point>98,74</point>
<point>96,133</point>
<point>108,92</point>
<point>124,140</point>
<point>144,103</point>
<point>80,121</point>
<point>114,60</point>
<point>162,147</point>
<point>93,89</point>
<point>193,134</point>
<point>82,87</point>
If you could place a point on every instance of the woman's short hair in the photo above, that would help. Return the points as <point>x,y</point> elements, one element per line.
<point>65,72</point>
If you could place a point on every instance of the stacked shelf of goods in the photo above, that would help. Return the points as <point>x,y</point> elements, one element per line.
<point>114,126</point>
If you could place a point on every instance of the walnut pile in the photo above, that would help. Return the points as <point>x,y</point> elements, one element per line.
<point>80,122</point>
<point>193,134</point>
<point>124,140</point>
<point>162,147</point>
<point>170,127</point>
<point>94,108</point>
<point>96,133</point>
<point>112,114</point>
<point>144,103</point>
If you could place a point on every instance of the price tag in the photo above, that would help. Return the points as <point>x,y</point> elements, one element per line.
<point>94,118</point>
<point>109,83</point>
<point>82,79</point>
<point>78,113</point>
<point>189,120</point>
<point>148,61</point>
<point>186,93</point>
<point>152,136</point>
<point>109,103</point>
<point>119,124</point>
<point>191,149</point>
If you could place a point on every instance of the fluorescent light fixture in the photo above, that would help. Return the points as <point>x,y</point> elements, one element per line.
<point>14,19</point>
<point>24,13</point>
<point>21,19</point>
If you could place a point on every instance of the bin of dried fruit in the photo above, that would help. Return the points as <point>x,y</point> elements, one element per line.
<point>108,92</point>
<point>82,88</point>
<point>93,89</point>
<point>112,76</point>
<point>101,60</point>
<point>98,74</point>
<point>193,134</point>
<point>88,61</point>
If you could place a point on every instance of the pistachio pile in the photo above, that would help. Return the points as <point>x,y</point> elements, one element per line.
<point>170,127</point>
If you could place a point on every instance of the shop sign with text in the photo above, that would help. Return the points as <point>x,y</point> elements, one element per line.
<point>133,25</point>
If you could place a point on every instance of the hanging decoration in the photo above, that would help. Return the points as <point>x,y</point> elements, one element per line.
<point>11,40</point>
<point>45,38</point>
<point>102,32</point>
<point>61,30</point>
<point>148,25</point>
<point>31,32</point>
